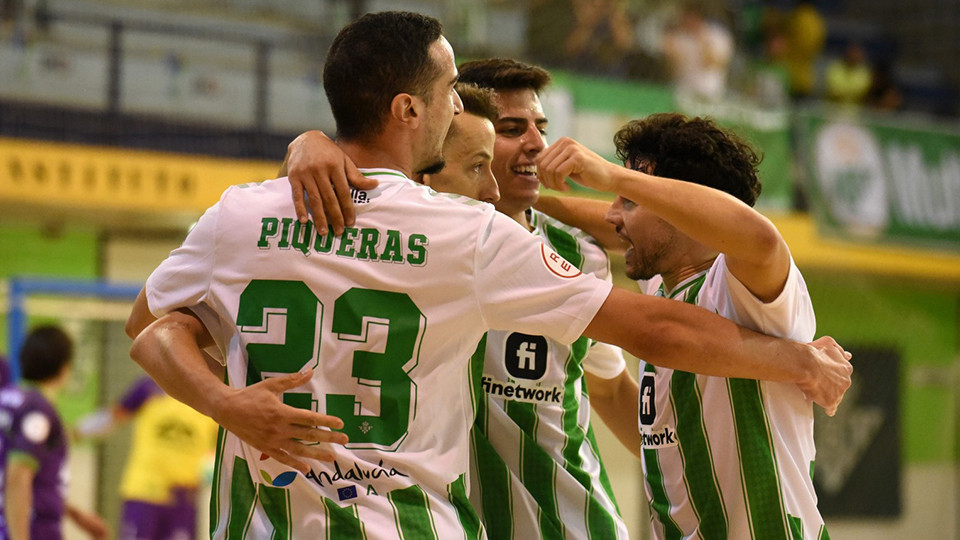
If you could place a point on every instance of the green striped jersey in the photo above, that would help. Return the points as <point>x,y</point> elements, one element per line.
<point>388,313</point>
<point>537,472</point>
<point>731,458</point>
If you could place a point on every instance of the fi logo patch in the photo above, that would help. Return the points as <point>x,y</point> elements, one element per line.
<point>526,356</point>
<point>648,403</point>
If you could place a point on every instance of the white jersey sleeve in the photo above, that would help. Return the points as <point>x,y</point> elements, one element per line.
<point>183,278</point>
<point>604,360</point>
<point>789,315</point>
<point>556,295</point>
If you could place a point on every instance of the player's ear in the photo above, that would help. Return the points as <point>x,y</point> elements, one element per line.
<point>407,109</point>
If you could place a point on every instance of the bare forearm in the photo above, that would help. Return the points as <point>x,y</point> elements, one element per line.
<point>616,403</point>
<point>73,513</point>
<point>709,216</point>
<point>756,254</point>
<point>140,316</point>
<point>89,522</point>
<point>169,352</point>
<point>18,517</point>
<point>680,336</point>
<point>18,497</point>
<point>588,215</point>
<point>684,337</point>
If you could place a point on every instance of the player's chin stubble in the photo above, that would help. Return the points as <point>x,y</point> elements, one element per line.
<point>636,268</point>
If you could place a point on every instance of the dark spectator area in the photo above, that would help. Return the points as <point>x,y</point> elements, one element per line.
<point>908,50</point>
<point>236,78</point>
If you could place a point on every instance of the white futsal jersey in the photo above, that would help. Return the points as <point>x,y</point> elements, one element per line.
<point>731,458</point>
<point>537,471</point>
<point>389,314</point>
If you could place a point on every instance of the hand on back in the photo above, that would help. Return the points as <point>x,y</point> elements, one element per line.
<point>317,166</point>
<point>259,417</point>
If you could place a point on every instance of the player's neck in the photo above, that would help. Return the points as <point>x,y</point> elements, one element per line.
<point>370,155</point>
<point>684,272</point>
<point>49,389</point>
<point>521,216</point>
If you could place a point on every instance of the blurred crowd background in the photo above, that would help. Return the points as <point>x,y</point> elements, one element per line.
<point>254,64</point>
<point>121,120</point>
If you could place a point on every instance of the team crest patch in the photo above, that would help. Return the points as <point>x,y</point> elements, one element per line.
<point>36,427</point>
<point>557,264</point>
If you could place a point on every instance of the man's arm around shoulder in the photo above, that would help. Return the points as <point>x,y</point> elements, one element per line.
<point>140,316</point>
<point>680,336</point>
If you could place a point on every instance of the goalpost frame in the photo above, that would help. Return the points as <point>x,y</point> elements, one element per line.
<point>20,288</point>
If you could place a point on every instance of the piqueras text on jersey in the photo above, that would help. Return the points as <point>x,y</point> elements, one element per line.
<point>364,244</point>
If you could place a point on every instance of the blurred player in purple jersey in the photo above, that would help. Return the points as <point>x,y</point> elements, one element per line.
<point>6,378</point>
<point>33,445</point>
<point>171,447</point>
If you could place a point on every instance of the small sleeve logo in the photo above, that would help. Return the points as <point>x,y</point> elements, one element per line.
<point>36,427</point>
<point>557,264</point>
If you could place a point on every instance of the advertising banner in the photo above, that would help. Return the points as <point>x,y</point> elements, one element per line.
<point>880,182</point>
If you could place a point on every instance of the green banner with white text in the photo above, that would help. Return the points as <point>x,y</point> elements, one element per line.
<point>873,180</point>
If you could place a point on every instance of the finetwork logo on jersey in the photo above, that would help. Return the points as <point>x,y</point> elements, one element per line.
<point>524,358</point>
<point>518,391</point>
<point>648,404</point>
<point>664,437</point>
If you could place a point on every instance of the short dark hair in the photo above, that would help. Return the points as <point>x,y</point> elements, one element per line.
<point>45,352</point>
<point>478,101</point>
<point>503,74</point>
<point>372,60</point>
<point>694,150</point>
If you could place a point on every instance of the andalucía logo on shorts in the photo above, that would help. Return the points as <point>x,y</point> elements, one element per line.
<point>557,264</point>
